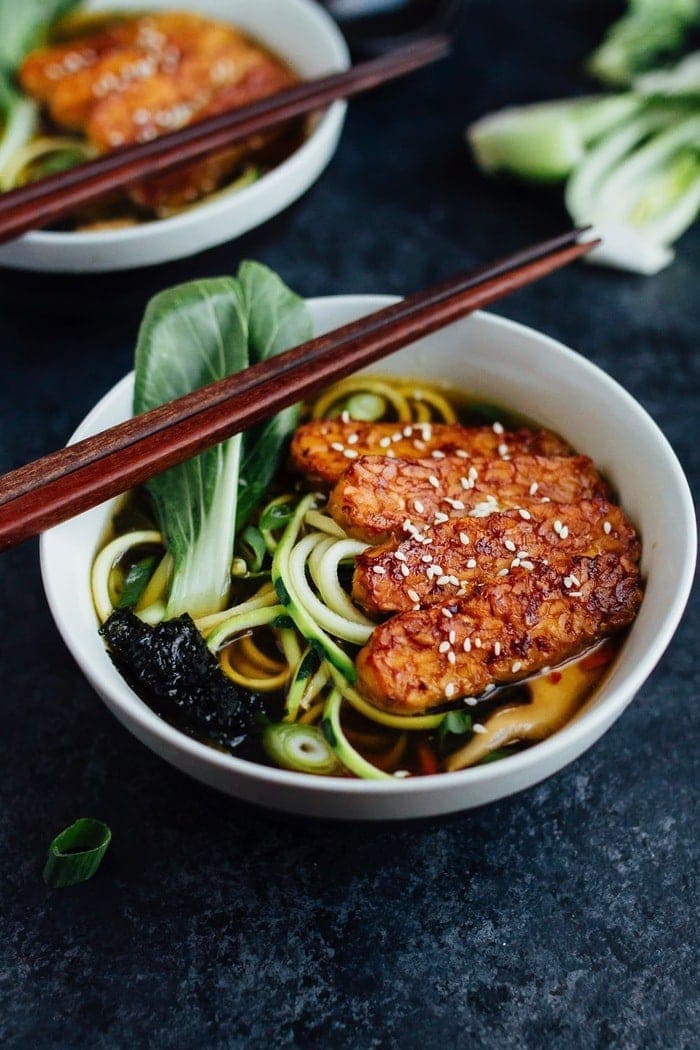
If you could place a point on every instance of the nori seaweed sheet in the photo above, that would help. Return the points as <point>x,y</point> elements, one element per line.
<point>170,668</point>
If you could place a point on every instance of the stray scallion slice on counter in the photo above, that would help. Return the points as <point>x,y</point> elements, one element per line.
<point>76,853</point>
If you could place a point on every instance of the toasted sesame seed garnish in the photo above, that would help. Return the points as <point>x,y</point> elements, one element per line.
<point>390,454</point>
<point>400,556</point>
<point>607,528</point>
<point>461,454</point>
<point>545,499</point>
<point>502,572</point>
<point>522,554</point>
<point>509,545</point>
<point>471,563</point>
<point>337,446</point>
<point>437,454</point>
<point>453,637</point>
<point>408,525</point>
<point>467,645</point>
<point>451,658</point>
<point>440,518</point>
<point>442,581</point>
<point>407,431</point>
<point>564,532</point>
<point>420,445</point>
<point>405,571</point>
<point>471,701</point>
<point>350,453</point>
<point>447,613</point>
<point>478,728</point>
<point>384,442</point>
<point>450,689</point>
<point>524,514</point>
<point>379,570</point>
<point>497,649</point>
<point>575,580</point>
<point>472,473</point>
<point>568,582</point>
<point>557,526</point>
<point>516,666</point>
<point>575,594</point>
<point>345,416</point>
<point>515,562</point>
<point>466,483</point>
<point>527,565</point>
<point>443,647</point>
<point>463,538</point>
<point>498,428</point>
<point>396,436</point>
<point>418,506</point>
<point>413,595</point>
<point>353,439</point>
<point>533,488</point>
<point>477,643</point>
<point>503,450</point>
<point>546,669</point>
<point>432,480</point>
<point>427,558</point>
<point>456,504</point>
<point>416,607</point>
<point>401,774</point>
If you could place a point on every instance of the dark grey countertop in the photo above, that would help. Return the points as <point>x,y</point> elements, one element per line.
<point>564,917</point>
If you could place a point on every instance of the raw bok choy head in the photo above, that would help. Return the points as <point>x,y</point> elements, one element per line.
<point>191,335</point>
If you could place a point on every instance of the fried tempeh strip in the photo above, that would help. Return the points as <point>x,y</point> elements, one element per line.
<point>378,496</point>
<point>463,553</point>
<point>323,449</point>
<point>505,630</point>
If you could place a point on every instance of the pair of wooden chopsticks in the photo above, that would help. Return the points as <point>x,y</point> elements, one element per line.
<point>53,489</point>
<point>40,203</point>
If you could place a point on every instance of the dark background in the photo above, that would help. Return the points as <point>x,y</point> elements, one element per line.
<point>564,917</point>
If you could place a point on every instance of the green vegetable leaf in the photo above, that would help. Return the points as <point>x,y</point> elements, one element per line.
<point>454,724</point>
<point>76,853</point>
<point>277,320</point>
<point>24,24</point>
<point>136,580</point>
<point>648,30</point>
<point>191,335</point>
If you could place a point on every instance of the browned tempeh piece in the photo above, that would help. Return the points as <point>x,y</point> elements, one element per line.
<point>378,496</point>
<point>463,553</point>
<point>324,448</point>
<point>504,631</point>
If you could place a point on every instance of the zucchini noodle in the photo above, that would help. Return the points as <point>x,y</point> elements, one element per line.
<point>382,717</point>
<point>323,566</point>
<point>316,520</point>
<point>240,622</point>
<point>333,732</point>
<point>338,393</point>
<point>157,585</point>
<point>33,151</point>
<point>263,598</point>
<point>269,683</point>
<point>349,630</point>
<point>256,656</point>
<point>107,559</point>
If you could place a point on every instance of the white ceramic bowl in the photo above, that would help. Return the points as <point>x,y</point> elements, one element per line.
<point>303,34</point>
<point>497,361</point>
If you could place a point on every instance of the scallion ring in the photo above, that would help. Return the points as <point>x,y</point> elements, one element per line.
<point>76,853</point>
<point>301,748</point>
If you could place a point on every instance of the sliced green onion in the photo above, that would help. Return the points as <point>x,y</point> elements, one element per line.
<point>301,748</point>
<point>306,669</point>
<point>276,515</point>
<point>76,853</point>
<point>253,549</point>
<point>333,732</point>
<point>136,581</point>
<point>367,407</point>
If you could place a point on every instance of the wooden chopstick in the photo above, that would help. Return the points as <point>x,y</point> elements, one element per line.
<point>39,203</point>
<point>58,486</point>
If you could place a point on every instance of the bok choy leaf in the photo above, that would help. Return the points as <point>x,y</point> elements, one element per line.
<point>191,335</point>
<point>649,30</point>
<point>24,25</point>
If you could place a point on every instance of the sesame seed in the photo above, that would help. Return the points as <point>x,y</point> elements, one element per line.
<point>498,428</point>
<point>443,580</point>
<point>466,483</point>
<point>557,526</point>
<point>478,728</point>
<point>443,647</point>
<point>416,607</point>
<point>564,532</point>
<point>473,474</point>
<point>533,488</point>
<point>477,643</point>
<point>456,504</point>
<point>575,594</point>
<point>467,645</point>
<point>524,514</point>
<point>418,506</point>
<point>489,688</point>
<point>509,545</point>
<point>471,563</point>
<point>345,416</point>
<point>450,689</point>
<point>522,554</point>
<point>516,666</point>
<point>413,595</point>
<point>447,613</point>
<point>405,571</point>
<point>463,538</point>
<point>408,525</point>
<point>527,565</point>
<point>461,454</point>
<point>379,570</point>
<point>432,480</point>
<point>437,454</point>
<point>337,446</point>
<point>407,431</point>
<point>568,582</point>
<point>401,774</point>
<point>353,439</point>
<point>545,499</point>
<point>384,442</point>
<point>420,445</point>
<point>400,556</point>
<point>396,436</point>
<point>451,658</point>
<point>575,580</point>
<point>497,649</point>
<point>427,558</point>
<point>453,637</point>
<point>471,701</point>
<point>515,563</point>
<point>502,572</point>
<point>503,450</point>
<point>546,669</point>
<point>391,454</point>
<point>440,518</point>
<point>607,528</point>
<point>350,453</point>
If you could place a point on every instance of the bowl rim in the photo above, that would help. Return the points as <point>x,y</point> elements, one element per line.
<point>219,201</point>
<point>589,724</point>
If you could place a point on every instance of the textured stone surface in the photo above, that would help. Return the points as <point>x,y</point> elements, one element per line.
<point>561,918</point>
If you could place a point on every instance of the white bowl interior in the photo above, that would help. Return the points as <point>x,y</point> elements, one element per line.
<point>497,361</point>
<point>301,33</point>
